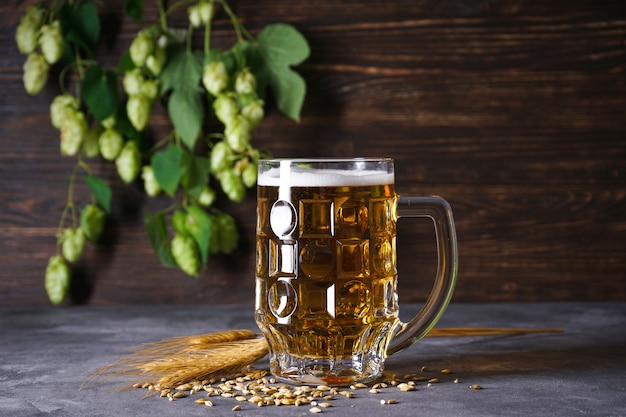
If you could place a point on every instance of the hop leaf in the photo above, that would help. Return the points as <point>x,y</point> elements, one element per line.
<point>57,279</point>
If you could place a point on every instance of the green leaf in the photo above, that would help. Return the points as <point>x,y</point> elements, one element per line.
<point>199,227</point>
<point>187,112</point>
<point>100,190</point>
<point>197,176</point>
<point>100,92</point>
<point>134,8</point>
<point>157,233</point>
<point>126,63</point>
<point>168,166</point>
<point>182,76</point>
<point>281,47</point>
<point>80,24</point>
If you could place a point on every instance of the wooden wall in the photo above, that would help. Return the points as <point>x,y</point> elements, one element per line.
<point>513,110</point>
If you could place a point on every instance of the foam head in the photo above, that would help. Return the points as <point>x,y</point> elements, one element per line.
<point>303,177</point>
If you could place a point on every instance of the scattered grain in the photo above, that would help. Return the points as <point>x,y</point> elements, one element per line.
<point>475,387</point>
<point>315,410</point>
<point>236,408</point>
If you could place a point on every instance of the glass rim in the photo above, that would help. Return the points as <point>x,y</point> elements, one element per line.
<point>338,159</point>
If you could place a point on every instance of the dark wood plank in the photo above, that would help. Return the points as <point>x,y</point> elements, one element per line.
<point>515,111</point>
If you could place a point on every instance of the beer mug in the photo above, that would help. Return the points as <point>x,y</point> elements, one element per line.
<point>326,280</point>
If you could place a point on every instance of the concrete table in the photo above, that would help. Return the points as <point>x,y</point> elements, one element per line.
<point>46,354</point>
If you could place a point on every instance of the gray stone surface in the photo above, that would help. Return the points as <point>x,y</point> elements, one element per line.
<point>46,354</point>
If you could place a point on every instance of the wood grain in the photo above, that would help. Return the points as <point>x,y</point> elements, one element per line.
<point>514,111</point>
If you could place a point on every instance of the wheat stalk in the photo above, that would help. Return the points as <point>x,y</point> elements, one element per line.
<point>178,360</point>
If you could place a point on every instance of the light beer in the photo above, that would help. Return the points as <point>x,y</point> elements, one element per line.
<point>326,273</point>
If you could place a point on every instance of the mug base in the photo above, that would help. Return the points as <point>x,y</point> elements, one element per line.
<point>325,372</point>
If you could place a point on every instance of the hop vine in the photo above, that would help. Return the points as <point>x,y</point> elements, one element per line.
<point>102,114</point>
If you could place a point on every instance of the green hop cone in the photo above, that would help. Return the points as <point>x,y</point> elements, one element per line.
<point>220,157</point>
<point>61,106</point>
<point>226,108</point>
<point>110,143</point>
<point>249,175</point>
<point>215,77</point>
<point>254,112</point>
<point>138,110</point>
<point>237,133</point>
<point>232,185</point>
<point>245,82</point>
<point>128,163</point>
<point>51,42</point>
<point>150,89</point>
<point>73,132</point>
<point>156,61</point>
<point>141,48</point>
<point>132,82</point>
<point>35,73</point>
<point>109,122</point>
<point>185,254</point>
<point>225,236</point>
<point>91,148</point>
<point>27,30</point>
<point>179,221</point>
<point>150,183</point>
<point>207,197</point>
<point>92,222</point>
<point>206,11</point>
<point>73,243</point>
<point>57,279</point>
<point>193,12</point>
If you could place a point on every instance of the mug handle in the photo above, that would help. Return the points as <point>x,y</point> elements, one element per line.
<point>437,209</point>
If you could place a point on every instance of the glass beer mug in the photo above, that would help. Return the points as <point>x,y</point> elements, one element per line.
<point>326,279</point>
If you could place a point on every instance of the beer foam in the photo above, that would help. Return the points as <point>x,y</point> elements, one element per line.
<point>323,177</point>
